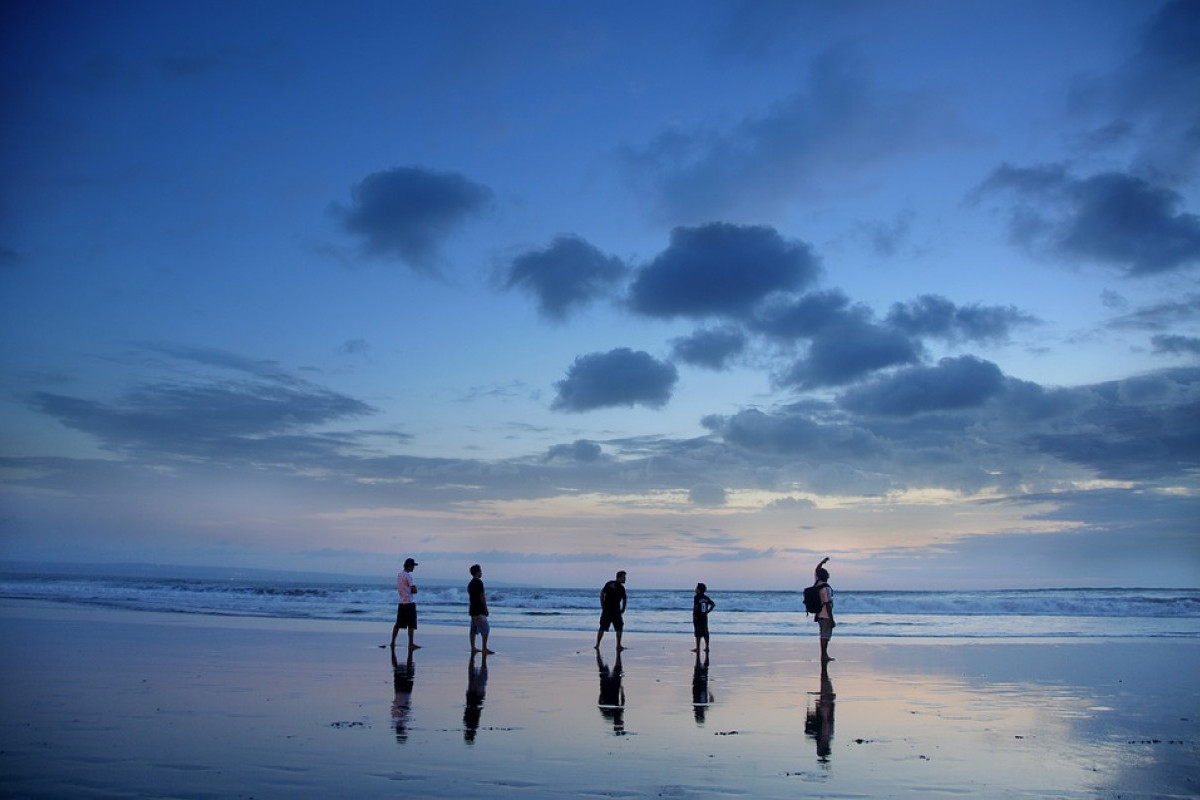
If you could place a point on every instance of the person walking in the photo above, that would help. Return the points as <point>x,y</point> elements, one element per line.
<point>825,615</point>
<point>612,609</point>
<point>406,609</point>
<point>701,605</point>
<point>477,599</point>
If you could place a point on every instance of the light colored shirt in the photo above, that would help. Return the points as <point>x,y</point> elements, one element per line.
<point>405,586</point>
<point>826,611</point>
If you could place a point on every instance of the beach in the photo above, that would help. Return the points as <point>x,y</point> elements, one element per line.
<point>114,703</point>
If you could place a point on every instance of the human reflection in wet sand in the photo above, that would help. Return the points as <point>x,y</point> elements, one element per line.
<point>701,697</point>
<point>402,684</point>
<point>818,722</point>
<point>612,694</point>
<point>476,690</point>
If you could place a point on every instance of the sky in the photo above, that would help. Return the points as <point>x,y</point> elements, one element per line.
<point>704,291</point>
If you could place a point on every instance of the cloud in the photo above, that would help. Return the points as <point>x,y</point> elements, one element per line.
<point>407,212</point>
<point>224,421</point>
<point>581,450</point>
<point>848,349</point>
<point>721,270</point>
<point>1188,345</point>
<point>794,432</point>
<point>1112,218</point>
<point>709,348</point>
<point>1138,429</point>
<point>1160,316</point>
<point>620,377</point>
<point>1150,100</point>
<point>838,126</point>
<point>935,316</point>
<point>567,274</point>
<point>954,384</point>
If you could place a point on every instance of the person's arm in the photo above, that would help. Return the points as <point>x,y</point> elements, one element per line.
<point>624,598</point>
<point>817,580</point>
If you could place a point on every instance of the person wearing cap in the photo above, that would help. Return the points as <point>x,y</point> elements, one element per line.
<point>406,609</point>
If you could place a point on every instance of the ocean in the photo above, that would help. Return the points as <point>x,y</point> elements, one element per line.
<point>1009,614</point>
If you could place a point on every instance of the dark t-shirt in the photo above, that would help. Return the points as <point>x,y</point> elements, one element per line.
<point>476,598</point>
<point>614,596</point>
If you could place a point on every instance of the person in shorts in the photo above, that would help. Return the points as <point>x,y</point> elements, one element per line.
<point>477,600</point>
<point>825,615</point>
<point>406,609</point>
<point>612,609</point>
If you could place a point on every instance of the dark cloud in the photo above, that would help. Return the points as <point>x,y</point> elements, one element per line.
<point>1188,345</point>
<point>1139,429</point>
<point>407,212</point>
<point>1111,218</point>
<point>581,450</point>
<point>934,316</point>
<point>1149,102</point>
<point>710,348</point>
<point>794,433</point>
<point>567,274</point>
<point>953,385</point>
<point>803,317</point>
<point>849,349</point>
<point>721,270</point>
<point>620,377</point>
<point>823,135</point>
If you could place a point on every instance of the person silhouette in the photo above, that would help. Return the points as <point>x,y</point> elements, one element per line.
<point>612,694</point>
<point>701,697</point>
<point>818,720</point>
<point>402,688</point>
<point>476,691</point>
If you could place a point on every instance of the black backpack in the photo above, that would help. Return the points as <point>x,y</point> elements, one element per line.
<point>812,597</point>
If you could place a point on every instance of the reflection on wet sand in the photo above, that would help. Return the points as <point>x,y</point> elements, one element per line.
<point>818,721</point>
<point>402,685</point>
<point>476,691</point>
<point>702,698</point>
<point>612,694</point>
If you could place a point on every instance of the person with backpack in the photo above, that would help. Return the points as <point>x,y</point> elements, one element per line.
<point>818,600</point>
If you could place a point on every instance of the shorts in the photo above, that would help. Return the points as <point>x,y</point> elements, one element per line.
<point>480,625</point>
<point>700,626</point>
<point>406,615</point>
<point>611,618</point>
<point>826,628</point>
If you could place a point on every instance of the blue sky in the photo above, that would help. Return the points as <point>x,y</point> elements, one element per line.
<point>699,290</point>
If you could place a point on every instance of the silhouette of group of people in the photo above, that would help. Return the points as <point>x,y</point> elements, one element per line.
<point>611,702</point>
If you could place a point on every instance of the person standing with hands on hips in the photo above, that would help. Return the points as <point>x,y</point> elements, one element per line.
<point>406,609</point>
<point>612,609</point>
<point>825,615</point>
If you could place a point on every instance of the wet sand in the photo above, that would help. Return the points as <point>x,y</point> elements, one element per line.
<point>105,703</point>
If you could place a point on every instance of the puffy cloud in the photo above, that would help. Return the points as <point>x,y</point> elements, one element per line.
<point>954,384</point>
<point>721,270</point>
<point>567,274</point>
<point>935,316</point>
<point>794,432</point>
<point>1112,218</point>
<point>620,377</point>
<point>803,317</point>
<point>710,348</point>
<point>407,212</point>
<point>848,350</point>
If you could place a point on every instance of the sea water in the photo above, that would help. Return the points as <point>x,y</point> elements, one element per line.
<point>1024,613</point>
